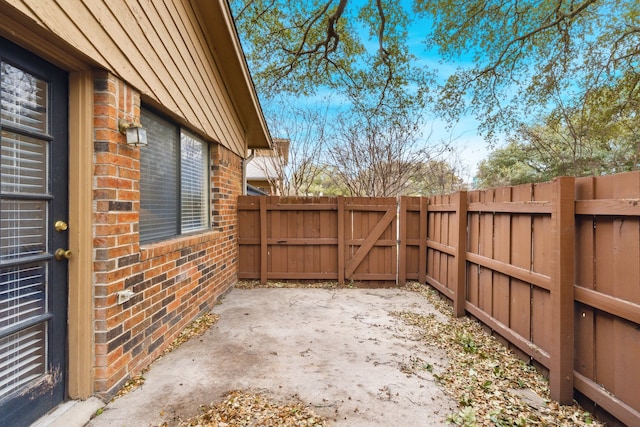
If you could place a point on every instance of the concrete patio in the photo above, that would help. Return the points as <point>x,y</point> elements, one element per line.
<point>337,350</point>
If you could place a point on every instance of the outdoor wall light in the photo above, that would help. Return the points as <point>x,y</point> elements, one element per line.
<point>136,134</point>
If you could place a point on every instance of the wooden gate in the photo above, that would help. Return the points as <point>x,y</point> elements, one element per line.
<point>334,239</point>
<point>370,243</point>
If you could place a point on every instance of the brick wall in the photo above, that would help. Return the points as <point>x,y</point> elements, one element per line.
<point>174,281</point>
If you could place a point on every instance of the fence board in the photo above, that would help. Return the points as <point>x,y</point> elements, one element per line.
<point>372,237</point>
<point>623,412</point>
<point>626,286</point>
<point>584,363</point>
<point>403,219</point>
<point>460,264</point>
<point>605,343</point>
<point>563,278</point>
<point>413,238</point>
<point>541,316</point>
<point>501,252</point>
<point>520,256</point>
<point>263,241</point>
<point>585,238</point>
<point>341,238</point>
<point>473,271</point>
<point>486,250</point>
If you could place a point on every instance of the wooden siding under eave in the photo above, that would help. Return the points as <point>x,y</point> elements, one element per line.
<point>159,47</point>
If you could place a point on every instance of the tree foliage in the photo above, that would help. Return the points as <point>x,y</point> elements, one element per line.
<point>295,162</point>
<point>523,52</point>
<point>380,157</point>
<point>437,176</point>
<point>559,78</point>
<point>573,140</point>
<point>357,48</point>
<point>518,53</point>
<point>326,184</point>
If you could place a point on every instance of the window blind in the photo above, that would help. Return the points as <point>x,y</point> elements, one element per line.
<point>194,184</point>
<point>22,358</point>
<point>23,214</point>
<point>159,189</point>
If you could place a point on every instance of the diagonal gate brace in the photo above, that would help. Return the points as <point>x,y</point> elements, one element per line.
<point>373,237</point>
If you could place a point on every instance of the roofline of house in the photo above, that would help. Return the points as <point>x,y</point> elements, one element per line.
<point>225,44</point>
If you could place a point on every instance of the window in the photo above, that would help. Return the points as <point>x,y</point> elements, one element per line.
<point>174,181</point>
<point>194,181</point>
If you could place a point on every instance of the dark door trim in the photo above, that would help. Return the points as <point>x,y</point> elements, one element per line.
<point>25,406</point>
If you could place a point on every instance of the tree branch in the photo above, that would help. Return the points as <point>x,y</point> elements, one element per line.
<point>560,17</point>
<point>332,39</point>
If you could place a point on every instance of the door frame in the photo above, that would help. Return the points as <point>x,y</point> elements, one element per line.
<point>47,386</point>
<point>25,33</point>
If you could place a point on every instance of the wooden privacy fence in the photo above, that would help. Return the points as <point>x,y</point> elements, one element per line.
<point>552,268</point>
<point>333,239</point>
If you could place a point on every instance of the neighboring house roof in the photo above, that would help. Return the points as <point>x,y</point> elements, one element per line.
<point>221,27</point>
<point>262,168</point>
<point>255,191</point>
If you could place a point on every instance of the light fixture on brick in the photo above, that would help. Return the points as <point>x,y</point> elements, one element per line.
<point>136,134</point>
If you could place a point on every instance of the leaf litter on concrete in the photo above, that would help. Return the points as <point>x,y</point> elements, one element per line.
<point>490,384</point>
<point>194,329</point>
<point>243,408</point>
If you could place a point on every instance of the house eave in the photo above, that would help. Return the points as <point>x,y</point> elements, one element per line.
<point>225,43</point>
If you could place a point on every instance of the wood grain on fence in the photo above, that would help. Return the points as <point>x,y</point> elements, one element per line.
<point>312,239</point>
<point>607,293</point>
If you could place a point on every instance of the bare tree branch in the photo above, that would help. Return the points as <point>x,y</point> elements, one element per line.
<point>380,158</point>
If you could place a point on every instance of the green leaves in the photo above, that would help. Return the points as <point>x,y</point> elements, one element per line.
<point>529,70</point>
<point>531,56</point>
<point>358,48</point>
<point>593,135</point>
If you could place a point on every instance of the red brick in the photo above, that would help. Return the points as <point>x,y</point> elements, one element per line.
<point>105,122</point>
<point>129,195</point>
<point>111,230</point>
<point>130,173</point>
<point>113,182</point>
<point>116,179</point>
<point>104,170</point>
<point>104,194</point>
<point>117,252</point>
<point>104,218</point>
<point>114,159</point>
<point>127,217</point>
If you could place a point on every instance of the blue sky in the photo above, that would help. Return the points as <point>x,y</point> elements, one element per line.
<point>471,147</point>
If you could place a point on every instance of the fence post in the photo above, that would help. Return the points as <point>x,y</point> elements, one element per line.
<point>422,251</point>
<point>263,240</point>
<point>562,283</point>
<point>460,281</point>
<point>402,244</point>
<point>341,240</point>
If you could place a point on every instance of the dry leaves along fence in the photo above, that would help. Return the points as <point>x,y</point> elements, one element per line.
<point>553,268</point>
